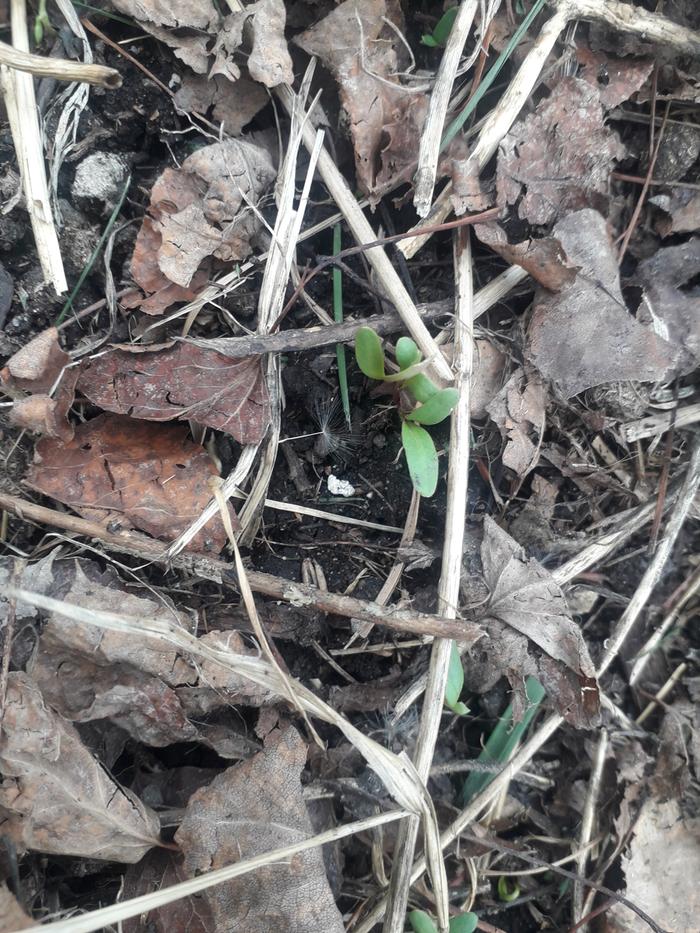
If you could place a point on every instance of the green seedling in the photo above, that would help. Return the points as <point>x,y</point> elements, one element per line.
<point>441,33</point>
<point>421,922</point>
<point>42,23</point>
<point>455,683</point>
<point>506,892</point>
<point>410,388</point>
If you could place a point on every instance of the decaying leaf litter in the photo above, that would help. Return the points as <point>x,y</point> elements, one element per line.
<point>169,711</point>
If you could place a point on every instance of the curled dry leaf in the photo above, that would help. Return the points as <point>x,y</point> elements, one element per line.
<point>530,631</point>
<point>584,336</point>
<point>559,158</point>
<point>233,105</point>
<point>201,210</point>
<point>184,382</point>
<point>269,61</point>
<point>364,54</point>
<point>55,796</point>
<point>519,410</point>
<point>543,258</point>
<point>189,17</point>
<point>150,476</point>
<point>252,808</point>
<point>671,302</point>
<point>40,367</point>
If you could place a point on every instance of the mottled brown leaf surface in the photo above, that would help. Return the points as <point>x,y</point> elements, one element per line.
<point>384,120</point>
<point>269,61</point>
<point>543,258</point>
<point>160,869</point>
<point>197,212</point>
<point>234,105</point>
<point>12,917</point>
<point>559,158</point>
<point>252,808</point>
<point>55,797</point>
<point>680,211</point>
<point>519,410</point>
<point>183,382</point>
<point>148,475</point>
<point>671,304</point>
<point>543,639</point>
<point>584,336</point>
<point>616,79</point>
<point>37,366</point>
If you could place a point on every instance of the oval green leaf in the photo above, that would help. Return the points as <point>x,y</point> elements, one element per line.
<point>421,388</point>
<point>464,923</point>
<point>407,352</point>
<point>455,683</point>
<point>421,458</point>
<point>442,31</point>
<point>369,353</point>
<point>436,409</point>
<point>421,922</point>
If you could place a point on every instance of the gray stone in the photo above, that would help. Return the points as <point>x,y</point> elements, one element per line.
<point>99,180</point>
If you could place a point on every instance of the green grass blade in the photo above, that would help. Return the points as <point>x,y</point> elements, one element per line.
<point>490,76</point>
<point>95,253</point>
<point>503,740</point>
<point>338,316</point>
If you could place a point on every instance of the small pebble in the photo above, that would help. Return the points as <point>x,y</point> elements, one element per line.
<point>340,487</point>
<point>99,180</point>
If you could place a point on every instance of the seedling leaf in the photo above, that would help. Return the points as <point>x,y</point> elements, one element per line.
<point>464,923</point>
<point>369,353</point>
<point>455,683</point>
<point>421,457</point>
<point>421,388</point>
<point>407,353</point>
<point>436,409</point>
<point>421,922</point>
<point>442,30</point>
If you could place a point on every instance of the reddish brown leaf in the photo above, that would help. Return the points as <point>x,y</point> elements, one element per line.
<point>37,366</point>
<point>151,476</point>
<point>558,158</point>
<point>584,335</point>
<point>252,808</point>
<point>185,382</point>
<point>543,258</point>
<point>616,79</point>
<point>385,121</point>
<point>56,796</point>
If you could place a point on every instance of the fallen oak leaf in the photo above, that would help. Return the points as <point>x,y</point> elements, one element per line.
<point>55,797</point>
<point>183,382</point>
<point>151,476</point>
<point>252,808</point>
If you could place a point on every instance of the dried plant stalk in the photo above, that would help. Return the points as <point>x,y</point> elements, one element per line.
<point>18,92</point>
<point>59,68</point>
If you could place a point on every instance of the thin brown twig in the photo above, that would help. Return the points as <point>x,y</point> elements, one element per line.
<point>222,572</point>
<point>59,68</point>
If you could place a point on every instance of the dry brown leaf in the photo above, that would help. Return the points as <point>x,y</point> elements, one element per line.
<point>543,258</point>
<point>682,207</point>
<point>385,119</point>
<point>559,158</point>
<point>12,917</point>
<point>525,597</point>
<point>250,809</point>
<point>160,869</point>
<point>214,186</point>
<point>584,336</point>
<point>671,304</point>
<point>270,62</point>
<point>487,378</point>
<point>661,868</point>
<point>190,17</point>
<point>616,79</point>
<point>233,105</point>
<point>37,366</point>
<point>184,382</point>
<point>56,797</point>
<point>519,410</point>
<point>148,475</point>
